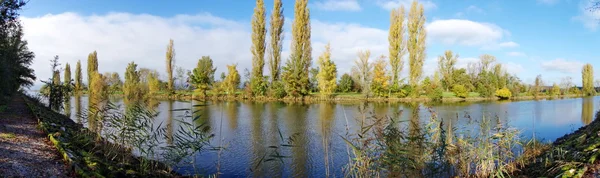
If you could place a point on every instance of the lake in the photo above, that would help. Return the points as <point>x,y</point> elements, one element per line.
<point>248,129</point>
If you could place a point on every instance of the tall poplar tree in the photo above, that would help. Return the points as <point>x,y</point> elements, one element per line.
<point>92,66</point>
<point>170,63</point>
<point>416,42</point>
<point>296,71</point>
<point>587,75</point>
<point>259,32</point>
<point>67,75</point>
<point>276,32</point>
<point>78,77</point>
<point>397,46</point>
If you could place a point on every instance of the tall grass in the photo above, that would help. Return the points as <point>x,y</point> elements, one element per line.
<point>387,147</point>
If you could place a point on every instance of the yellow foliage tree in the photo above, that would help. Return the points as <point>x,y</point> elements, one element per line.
<point>380,78</point>
<point>327,73</point>
<point>232,81</point>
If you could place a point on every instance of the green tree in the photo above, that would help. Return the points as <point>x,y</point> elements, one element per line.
<point>327,73</point>
<point>587,75</point>
<point>555,90</point>
<point>296,71</point>
<point>92,65</point>
<point>153,83</point>
<point>203,75</point>
<point>446,68</point>
<point>396,41</point>
<point>380,80</point>
<point>537,86</point>
<point>232,80</point>
<point>259,31</point>
<point>416,41</point>
<point>346,83</point>
<point>170,63</point>
<point>277,21</point>
<point>131,87</point>
<point>67,75</point>
<point>113,81</point>
<point>78,77</point>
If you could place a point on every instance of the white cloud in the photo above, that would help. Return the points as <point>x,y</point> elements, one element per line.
<point>589,19</point>
<point>391,4</point>
<point>516,54</point>
<point>547,2</point>
<point>338,5</point>
<point>513,68</point>
<point>120,38</point>
<point>562,65</point>
<point>509,44</point>
<point>465,32</point>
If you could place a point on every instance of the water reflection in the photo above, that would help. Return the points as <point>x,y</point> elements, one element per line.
<point>296,124</point>
<point>78,108</point>
<point>587,110</point>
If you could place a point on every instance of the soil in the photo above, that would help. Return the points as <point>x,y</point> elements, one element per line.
<point>25,151</point>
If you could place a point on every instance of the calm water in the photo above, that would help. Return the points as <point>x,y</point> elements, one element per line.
<point>247,129</point>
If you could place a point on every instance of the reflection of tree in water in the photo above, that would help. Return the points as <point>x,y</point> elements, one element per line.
<point>78,108</point>
<point>67,107</point>
<point>587,110</point>
<point>170,123</point>
<point>202,112</point>
<point>415,141</point>
<point>326,118</point>
<point>232,111</point>
<point>296,125</point>
<point>258,143</point>
<point>275,167</point>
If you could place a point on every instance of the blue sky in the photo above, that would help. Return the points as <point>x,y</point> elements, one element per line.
<point>553,38</point>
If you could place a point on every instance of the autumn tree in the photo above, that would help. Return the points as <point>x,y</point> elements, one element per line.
<point>170,64</point>
<point>416,41</point>
<point>296,71</point>
<point>446,68</point>
<point>131,87</point>
<point>92,65</point>
<point>67,75</point>
<point>276,32</point>
<point>327,73</point>
<point>78,77</point>
<point>259,31</point>
<point>555,90</point>
<point>397,46</point>
<point>587,75</point>
<point>232,80</point>
<point>363,71</point>
<point>203,75</point>
<point>113,81</point>
<point>153,83</point>
<point>380,80</point>
<point>537,86</point>
<point>346,83</point>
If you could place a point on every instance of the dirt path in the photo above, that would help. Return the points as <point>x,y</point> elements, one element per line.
<point>25,151</point>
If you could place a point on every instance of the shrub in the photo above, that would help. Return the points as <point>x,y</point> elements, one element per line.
<point>503,93</point>
<point>460,91</point>
<point>436,94</point>
<point>277,90</point>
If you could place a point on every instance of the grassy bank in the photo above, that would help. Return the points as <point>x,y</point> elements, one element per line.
<point>573,155</point>
<point>89,155</point>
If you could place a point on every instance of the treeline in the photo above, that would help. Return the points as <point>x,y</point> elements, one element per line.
<point>15,57</point>
<point>371,76</point>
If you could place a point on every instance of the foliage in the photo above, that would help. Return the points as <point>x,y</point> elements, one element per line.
<point>327,73</point>
<point>15,56</point>
<point>78,77</point>
<point>503,93</point>
<point>170,59</point>
<point>153,83</point>
<point>587,75</point>
<point>346,83</point>
<point>258,49</point>
<point>232,81</point>
<point>397,45</point>
<point>92,66</point>
<point>276,32</point>
<point>555,90</point>
<point>537,86</point>
<point>277,90</point>
<point>432,88</point>
<point>203,75</point>
<point>132,88</point>
<point>67,76</point>
<point>53,89</point>
<point>460,91</point>
<point>379,84</point>
<point>446,68</point>
<point>416,41</point>
<point>295,73</point>
<point>362,71</point>
<point>113,80</point>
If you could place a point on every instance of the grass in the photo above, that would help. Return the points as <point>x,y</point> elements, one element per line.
<point>7,135</point>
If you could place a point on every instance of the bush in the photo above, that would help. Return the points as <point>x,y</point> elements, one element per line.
<point>346,83</point>
<point>460,91</point>
<point>277,90</point>
<point>436,94</point>
<point>503,93</point>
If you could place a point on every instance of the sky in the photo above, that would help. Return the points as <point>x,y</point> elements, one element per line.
<point>552,38</point>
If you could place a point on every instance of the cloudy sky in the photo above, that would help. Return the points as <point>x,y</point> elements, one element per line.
<point>553,38</point>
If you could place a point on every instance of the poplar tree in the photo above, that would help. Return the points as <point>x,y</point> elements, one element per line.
<point>170,63</point>
<point>587,75</point>
<point>276,32</point>
<point>397,46</point>
<point>78,77</point>
<point>67,75</point>
<point>416,42</point>
<point>327,73</point>
<point>259,31</point>
<point>92,65</point>
<point>446,65</point>
<point>296,71</point>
